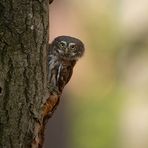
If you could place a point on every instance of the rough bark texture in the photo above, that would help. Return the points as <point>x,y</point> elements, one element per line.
<point>24,99</point>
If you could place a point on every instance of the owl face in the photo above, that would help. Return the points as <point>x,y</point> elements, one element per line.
<point>68,47</point>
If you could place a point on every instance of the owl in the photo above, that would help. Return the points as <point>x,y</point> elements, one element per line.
<point>63,54</point>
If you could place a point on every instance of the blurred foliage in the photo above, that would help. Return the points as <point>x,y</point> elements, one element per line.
<point>95,122</point>
<point>95,94</point>
<point>95,112</point>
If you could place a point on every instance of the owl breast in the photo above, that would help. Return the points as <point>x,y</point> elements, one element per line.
<point>60,71</point>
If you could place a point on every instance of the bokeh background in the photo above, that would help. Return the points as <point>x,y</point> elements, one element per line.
<point>105,105</point>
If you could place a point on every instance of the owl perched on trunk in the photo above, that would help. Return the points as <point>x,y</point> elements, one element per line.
<point>63,54</point>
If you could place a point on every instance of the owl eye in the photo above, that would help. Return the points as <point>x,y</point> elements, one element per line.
<point>72,45</point>
<point>63,43</point>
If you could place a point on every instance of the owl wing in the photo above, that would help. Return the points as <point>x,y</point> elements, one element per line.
<point>69,72</point>
<point>66,73</point>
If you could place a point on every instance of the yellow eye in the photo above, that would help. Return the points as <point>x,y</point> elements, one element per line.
<point>63,44</point>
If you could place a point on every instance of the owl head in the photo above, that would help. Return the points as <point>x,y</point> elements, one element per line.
<point>68,48</point>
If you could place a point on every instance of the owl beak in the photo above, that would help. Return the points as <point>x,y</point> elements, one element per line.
<point>66,50</point>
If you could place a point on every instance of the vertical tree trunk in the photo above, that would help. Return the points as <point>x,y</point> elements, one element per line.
<point>23,73</point>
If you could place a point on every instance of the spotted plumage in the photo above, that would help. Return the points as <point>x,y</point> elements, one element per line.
<point>63,54</point>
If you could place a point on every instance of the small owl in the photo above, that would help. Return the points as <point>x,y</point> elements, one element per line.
<point>63,54</point>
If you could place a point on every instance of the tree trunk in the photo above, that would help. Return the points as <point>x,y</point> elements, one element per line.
<point>24,99</point>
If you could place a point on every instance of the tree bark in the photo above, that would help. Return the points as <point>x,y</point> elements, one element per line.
<point>24,99</point>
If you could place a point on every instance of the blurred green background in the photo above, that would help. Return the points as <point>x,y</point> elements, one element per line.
<point>105,105</point>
